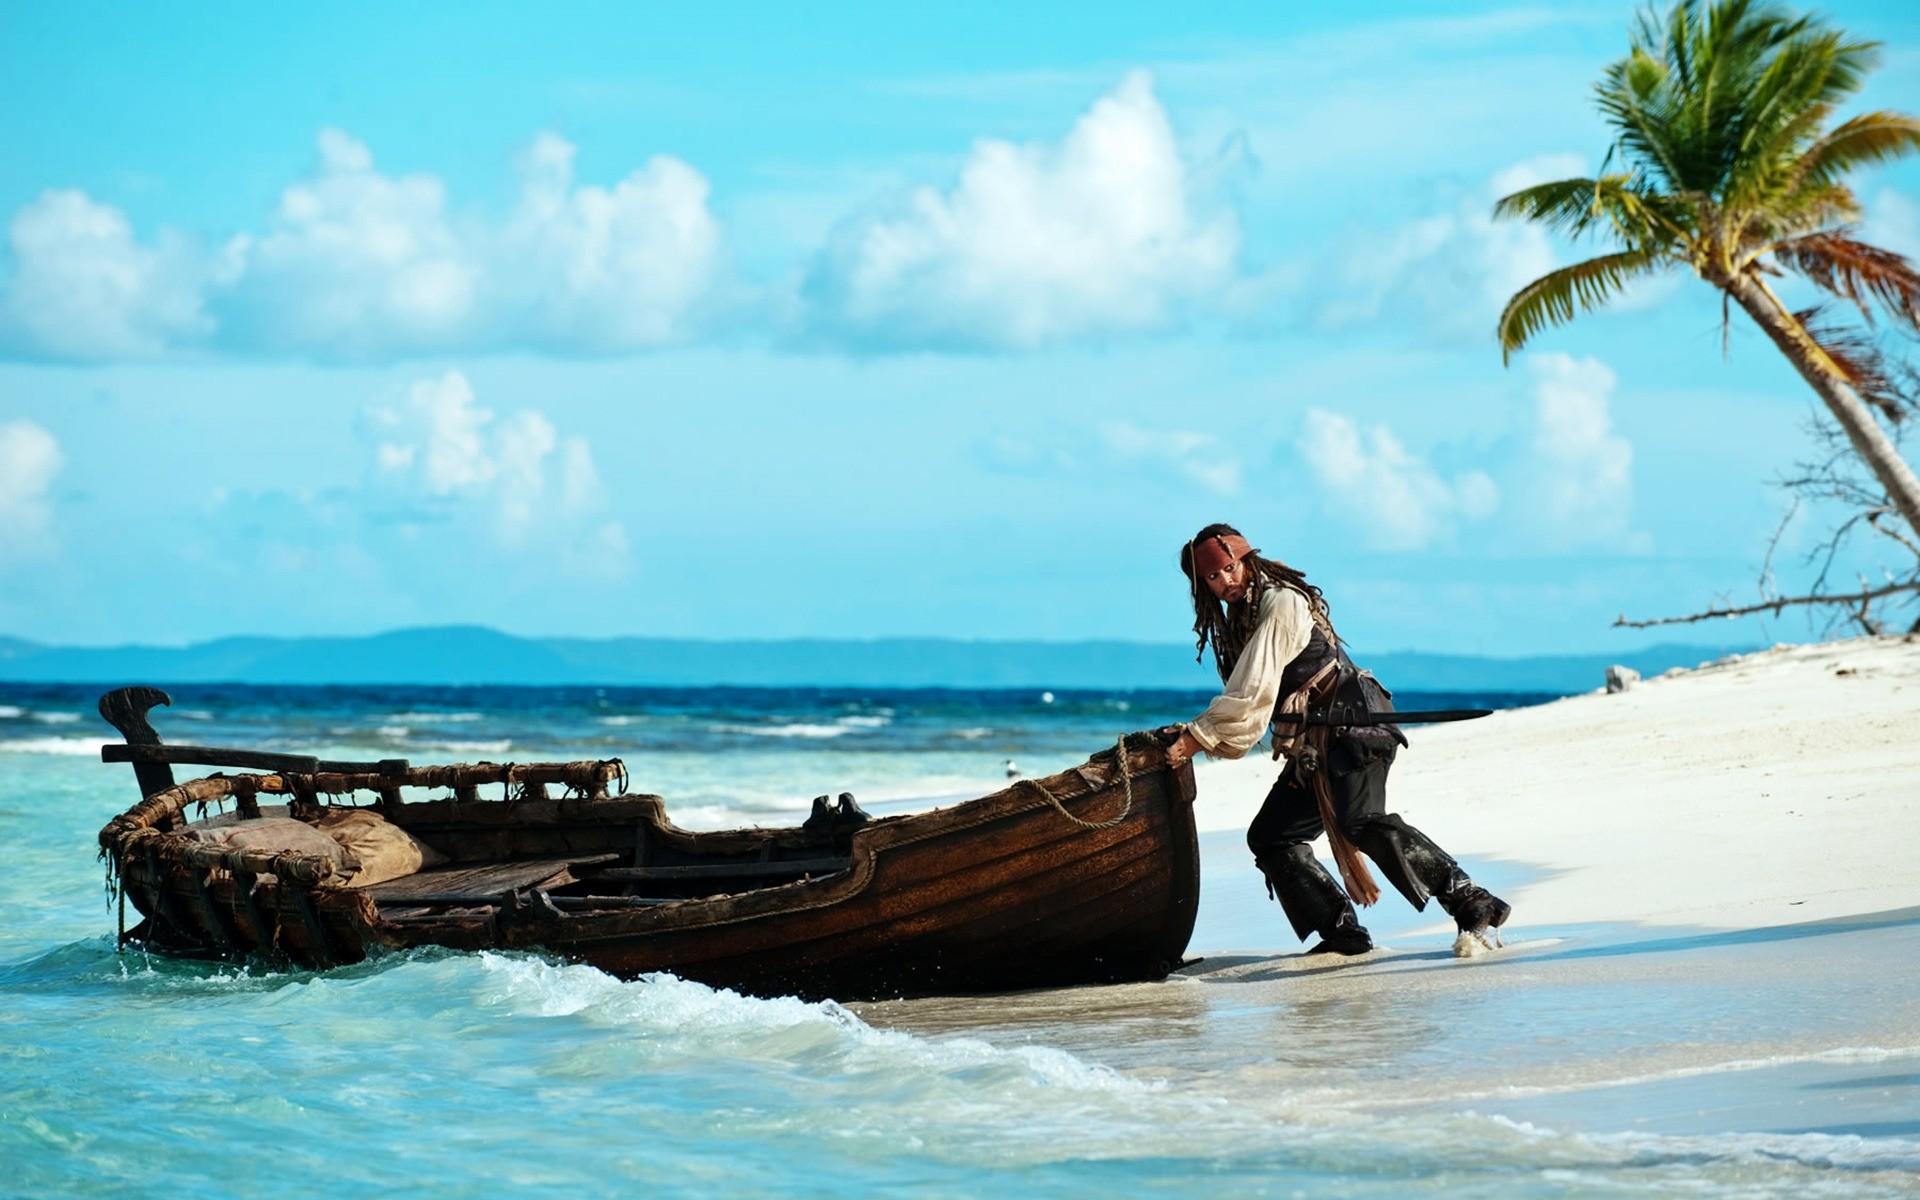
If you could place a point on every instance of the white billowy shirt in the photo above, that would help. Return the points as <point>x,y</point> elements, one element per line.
<point>1238,717</point>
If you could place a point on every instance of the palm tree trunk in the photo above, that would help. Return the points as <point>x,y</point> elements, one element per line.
<point>1869,441</point>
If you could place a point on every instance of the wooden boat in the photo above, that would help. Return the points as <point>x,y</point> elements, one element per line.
<point>1087,876</point>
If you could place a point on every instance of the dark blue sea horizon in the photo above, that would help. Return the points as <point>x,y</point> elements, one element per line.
<point>594,721</point>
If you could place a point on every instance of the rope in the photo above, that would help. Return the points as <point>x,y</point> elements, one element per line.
<point>1126,783</point>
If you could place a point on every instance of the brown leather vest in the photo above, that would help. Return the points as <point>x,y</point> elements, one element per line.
<point>1307,663</point>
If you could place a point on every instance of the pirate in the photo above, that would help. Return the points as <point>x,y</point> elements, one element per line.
<point>1278,654</point>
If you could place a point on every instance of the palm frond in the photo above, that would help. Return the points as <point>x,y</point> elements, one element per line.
<point>1866,140</point>
<point>1808,69</point>
<point>1558,296</point>
<point>1576,207</point>
<point>1723,98</point>
<point>1811,209</point>
<point>1633,96</point>
<point>1859,273</point>
<point>1858,360</point>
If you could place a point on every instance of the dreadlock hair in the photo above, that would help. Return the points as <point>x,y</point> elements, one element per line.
<point>1226,627</point>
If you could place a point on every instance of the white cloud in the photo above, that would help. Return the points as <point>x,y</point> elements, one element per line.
<point>29,459</point>
<point>1397,500</point>
<point>358,264</point>
<point>1033,244</point>
<point>1198,457</point>
<point>1581,474</point>
<point>607,268</point>
<point>82,287</point>
<point>533,488</point>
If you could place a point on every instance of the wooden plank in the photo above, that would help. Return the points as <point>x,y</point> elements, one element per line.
<point>319,957</point>
<point>483,882</point>
<point>243,902</point>
<point>209,914</point>
<point>210,756</point>
<point>259,760</point>
<point>747,870</point>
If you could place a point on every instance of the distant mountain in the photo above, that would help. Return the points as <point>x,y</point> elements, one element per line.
<point>468,655</point>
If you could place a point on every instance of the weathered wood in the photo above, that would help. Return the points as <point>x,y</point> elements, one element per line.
<point>256,760</point>
<point>209,756</point>
<point>126,710</point>
<point>476,882</point>
<point>162,905</point>
<point>258,931</point>
<point>216,928</point>
<point>246,798</point>
<point>790,868</point>
<point>300,901</point>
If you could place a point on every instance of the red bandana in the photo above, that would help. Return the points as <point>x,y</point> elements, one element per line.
<point>1211,554</point>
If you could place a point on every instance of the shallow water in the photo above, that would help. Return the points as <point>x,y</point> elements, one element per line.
<point>1577,1062</point>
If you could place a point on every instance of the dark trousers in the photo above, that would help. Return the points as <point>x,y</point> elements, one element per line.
<point>1357,773</point>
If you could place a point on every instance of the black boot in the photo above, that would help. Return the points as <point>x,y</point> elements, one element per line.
<point>1348,936</point>
<point>1313,902</point>
<point>1478,913</point>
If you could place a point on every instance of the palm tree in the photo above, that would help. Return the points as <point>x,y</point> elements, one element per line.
<point>1729,168</point>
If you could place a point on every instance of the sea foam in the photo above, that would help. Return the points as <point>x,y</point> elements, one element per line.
<point>78,747</point>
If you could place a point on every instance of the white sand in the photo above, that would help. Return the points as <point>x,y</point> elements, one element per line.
<point>1773,788</point>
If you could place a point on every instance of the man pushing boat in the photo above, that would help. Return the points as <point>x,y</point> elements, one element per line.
<point>1282,666</point>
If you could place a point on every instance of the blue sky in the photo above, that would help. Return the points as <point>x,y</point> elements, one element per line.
<point>850,320</point>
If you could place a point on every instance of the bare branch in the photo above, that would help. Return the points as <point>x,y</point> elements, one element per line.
<point>1862,599</point>
<point>1892,531</point>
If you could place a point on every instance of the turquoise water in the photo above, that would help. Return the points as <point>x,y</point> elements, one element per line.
<point>1580,1063</point>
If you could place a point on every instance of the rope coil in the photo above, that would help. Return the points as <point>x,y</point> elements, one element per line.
<point>1126,784</point>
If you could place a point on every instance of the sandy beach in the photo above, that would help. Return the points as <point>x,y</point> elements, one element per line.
<point>1775,787</point>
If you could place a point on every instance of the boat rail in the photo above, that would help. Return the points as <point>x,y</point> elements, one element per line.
<point>146,827</point>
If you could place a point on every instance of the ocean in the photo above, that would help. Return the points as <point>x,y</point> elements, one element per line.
<point>1578,1063</point>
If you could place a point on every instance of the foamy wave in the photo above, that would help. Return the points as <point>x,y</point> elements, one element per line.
<point>974,734</point>
<point>483,747</point>
<point>73,747</point>
<point>873,722</point>
<point>56,718</point>
<point>402,718</point>
<point>1830,1151</point>
<point>618,720</point>
<point>9,713</point>
<point>691,1020</point>
<point>395,732</point>
<point>1836,1054</point>
<point>796,730</point>
<point>1845,1151</point>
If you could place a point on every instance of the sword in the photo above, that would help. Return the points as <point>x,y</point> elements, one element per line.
<point>1345,715</point>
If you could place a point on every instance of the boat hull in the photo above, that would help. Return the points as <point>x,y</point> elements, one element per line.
<point>1089,876</point>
